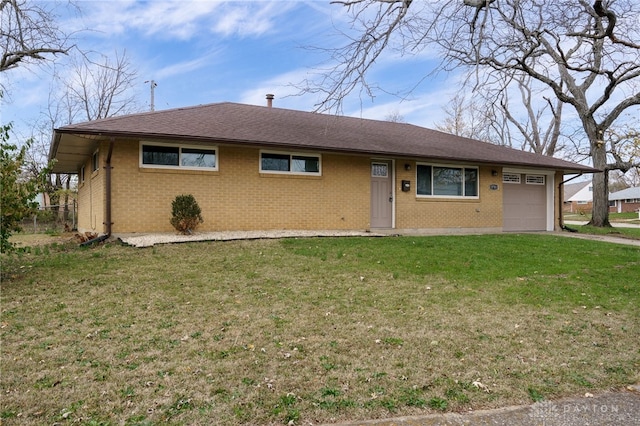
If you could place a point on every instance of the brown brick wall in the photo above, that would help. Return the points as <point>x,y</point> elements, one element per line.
<point>626,207</point>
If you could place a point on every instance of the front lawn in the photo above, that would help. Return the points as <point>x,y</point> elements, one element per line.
<point>313,330</point>
<point>618,231</point>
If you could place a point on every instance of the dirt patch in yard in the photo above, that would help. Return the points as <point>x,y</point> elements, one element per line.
<point>33,240</point>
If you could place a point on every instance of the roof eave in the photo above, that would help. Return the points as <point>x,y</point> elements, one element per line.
<point>72,130</point>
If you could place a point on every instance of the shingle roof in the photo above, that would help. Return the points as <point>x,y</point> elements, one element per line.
<point>289,129</point>
<point>571,189</point>
<point>626,194</point>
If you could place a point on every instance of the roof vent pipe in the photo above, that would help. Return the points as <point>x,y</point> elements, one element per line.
<point>270,100</point>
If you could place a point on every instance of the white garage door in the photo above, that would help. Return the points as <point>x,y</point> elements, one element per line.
<point>524,202</point>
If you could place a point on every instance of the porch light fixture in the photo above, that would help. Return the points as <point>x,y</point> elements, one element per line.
<point>407,166</point>
<point>494,173</point>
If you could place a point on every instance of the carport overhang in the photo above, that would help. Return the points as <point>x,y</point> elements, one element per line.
<point>71,150</point>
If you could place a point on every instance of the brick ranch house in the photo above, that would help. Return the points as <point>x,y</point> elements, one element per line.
<point>625,201</point>
<point>578,197</point>
<point>263,168</point>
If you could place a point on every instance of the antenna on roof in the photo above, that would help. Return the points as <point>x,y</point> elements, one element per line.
<point>153,86</point>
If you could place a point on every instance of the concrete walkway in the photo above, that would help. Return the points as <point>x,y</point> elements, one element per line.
<point>608,409</point>
<point>614,224</point>
<point>604,238</point>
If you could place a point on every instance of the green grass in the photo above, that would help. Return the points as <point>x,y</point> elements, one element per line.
<point>632,233</point>
<point>613,217</point>
<point>313,330</point>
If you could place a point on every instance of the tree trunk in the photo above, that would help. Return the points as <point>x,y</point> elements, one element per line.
<point>600,194</point>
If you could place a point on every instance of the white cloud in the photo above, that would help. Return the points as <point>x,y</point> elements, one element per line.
<point>282,86</point>
<point>250,19</point>
<point>181,20</point>
<point>181,68</point>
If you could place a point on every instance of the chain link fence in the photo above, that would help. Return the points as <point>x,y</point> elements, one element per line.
<point>57,218</point>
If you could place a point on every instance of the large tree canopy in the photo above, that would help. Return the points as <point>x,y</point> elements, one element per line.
<point>17,191</point>
<point>581,53</point>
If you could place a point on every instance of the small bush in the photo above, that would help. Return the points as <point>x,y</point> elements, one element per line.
<point>185,213</point>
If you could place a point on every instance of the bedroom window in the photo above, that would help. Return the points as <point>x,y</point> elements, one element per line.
<point>178,156</point>
<point>293,163</point>
<point>95,161</point>
<point>439,181</point>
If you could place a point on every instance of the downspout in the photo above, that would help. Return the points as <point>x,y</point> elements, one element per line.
<point>107,168</point>
<point>107,214</point>
<point>560,201</point>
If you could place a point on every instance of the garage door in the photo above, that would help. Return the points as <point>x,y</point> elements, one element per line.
<point>524,202</point>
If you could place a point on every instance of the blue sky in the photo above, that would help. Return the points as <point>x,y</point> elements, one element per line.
<point>207,51</point>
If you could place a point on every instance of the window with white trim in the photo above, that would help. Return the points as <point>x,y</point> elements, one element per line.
<point>380,170</point>
<point>446,181</point>
<point>535,180</point>
<point>191,157</point>
<point>510,177</point>
<point>95,161</point>
<point>292,163</point>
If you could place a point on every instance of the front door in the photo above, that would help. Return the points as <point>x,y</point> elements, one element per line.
<point>381,194</point>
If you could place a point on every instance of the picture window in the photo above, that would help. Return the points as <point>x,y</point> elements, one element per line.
<point>446,181</point>
<point>293,163</point>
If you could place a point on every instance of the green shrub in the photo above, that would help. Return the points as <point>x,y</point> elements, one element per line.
<point>185,213</point>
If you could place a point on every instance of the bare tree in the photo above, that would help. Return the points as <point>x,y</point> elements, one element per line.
<point>28,33</point>
<point>540,129</point>
<point>583,53</point>
<point>510,112</point>
<point>394,116</point>
<point>470,119</point>
<point>97,88</point>
<point>93,89</point>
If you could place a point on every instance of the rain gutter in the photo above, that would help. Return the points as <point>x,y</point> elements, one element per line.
<point>560,201</point>
<point>108,168</point>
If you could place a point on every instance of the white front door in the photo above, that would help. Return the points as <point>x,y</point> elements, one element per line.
<point>381,194</point>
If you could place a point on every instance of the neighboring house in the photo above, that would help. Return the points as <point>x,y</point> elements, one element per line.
<point>43,200</point>
<point>578,197</point>
<point>262,168</point>
<point>627,200</point>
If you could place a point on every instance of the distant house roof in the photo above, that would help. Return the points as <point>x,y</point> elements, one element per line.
<point>250,125</point>
<point>571,190</point>
<point>626,194</point>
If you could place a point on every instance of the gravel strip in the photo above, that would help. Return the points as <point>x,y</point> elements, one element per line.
<point>149,240</point>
